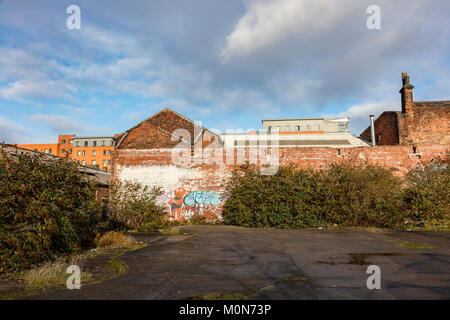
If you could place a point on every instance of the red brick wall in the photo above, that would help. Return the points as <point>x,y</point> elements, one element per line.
<point>386,130</point>
<point>428,123</point>
<point>155,167</point>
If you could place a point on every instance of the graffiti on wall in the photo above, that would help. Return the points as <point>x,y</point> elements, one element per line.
<point>185,206</point>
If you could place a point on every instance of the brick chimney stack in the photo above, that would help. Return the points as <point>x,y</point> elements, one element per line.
<point>407,95</point>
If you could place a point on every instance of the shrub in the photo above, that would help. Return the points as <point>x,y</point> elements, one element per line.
<point>345,195</point>
<point>133,206</point>
<point>286,199</point>
<point>47,208</point>
<point>366,196</point>
<point>427,195</point>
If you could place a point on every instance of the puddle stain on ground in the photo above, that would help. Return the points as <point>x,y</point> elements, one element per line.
<point>360,259</point>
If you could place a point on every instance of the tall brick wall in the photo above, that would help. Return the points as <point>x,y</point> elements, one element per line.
<point>204,185</point>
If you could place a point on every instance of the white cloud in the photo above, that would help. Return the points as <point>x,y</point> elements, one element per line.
<point>22,89</point>
<point>267,22</point>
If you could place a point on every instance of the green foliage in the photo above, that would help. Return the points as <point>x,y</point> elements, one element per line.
<point>47,208</point>
<point>364,196</point>
<point>133,206</point>
<point>428,193</point>
<point>344,195</point>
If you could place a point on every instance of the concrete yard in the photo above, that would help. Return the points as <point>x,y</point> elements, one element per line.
<point>222,261</point>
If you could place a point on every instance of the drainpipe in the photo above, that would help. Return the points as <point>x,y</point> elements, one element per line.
<point>372,129</point>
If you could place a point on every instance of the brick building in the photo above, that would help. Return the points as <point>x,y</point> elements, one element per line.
<point>425,122</point>
<point>148,153</point>
<point>87,151</point>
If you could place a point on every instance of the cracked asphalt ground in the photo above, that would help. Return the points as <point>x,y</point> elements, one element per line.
<point>278,264</point>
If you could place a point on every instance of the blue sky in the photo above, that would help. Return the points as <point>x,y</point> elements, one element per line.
<point>227,63</point>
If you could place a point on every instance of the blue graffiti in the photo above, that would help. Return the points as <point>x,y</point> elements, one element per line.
<point>202,197</point>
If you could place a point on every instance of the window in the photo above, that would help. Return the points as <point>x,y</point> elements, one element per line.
<point>109,152</point>
<point>63,141</point>
<point>79,153</point>
<point>94,162</point>
<point>277,128</point>
<point>84,153</point>
<point>77,144</point>
<point>94,143</point>
<point>35,150</point>
<point>109,161</point>
<point>297,128</point>
<point>45,151</point>
<point>318,128</point>
<point>70,151</point>
<point>94,152</point>
<point>50,151</point>
<point>342,127</point>
<point>269,128</point>
<point>86,143</point>
<point>83,163</point>
<point>308,127</point>
<point>78,161</point>
<point>104,152</point>
<point>103,143</point>
<point>71,141</point>
<point>63,151</point>
<point>288,128</point>
<point>112,143</point>
<point>104,162</point>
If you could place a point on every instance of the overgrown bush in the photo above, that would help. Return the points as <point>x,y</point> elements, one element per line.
<point>367,196</point>
<point>344,195</point>
<point>427,195</point>
<point>134,206</point>
<point>47,208</point>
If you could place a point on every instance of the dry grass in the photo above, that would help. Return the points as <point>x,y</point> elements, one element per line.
<point>115,239</point>
<point>52,274</point>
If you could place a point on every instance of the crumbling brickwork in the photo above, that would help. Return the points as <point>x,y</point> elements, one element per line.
<point>154,167</point>
<point>426,123</point>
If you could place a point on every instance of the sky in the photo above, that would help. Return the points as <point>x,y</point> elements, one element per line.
<point>228,64</point>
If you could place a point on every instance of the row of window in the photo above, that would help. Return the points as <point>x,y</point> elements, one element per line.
<point>63,141</point>
<point>94,152</point>
<point>94,143</point>
<point>297,128</point>
<point>49,151</point>
<point>94,163</point>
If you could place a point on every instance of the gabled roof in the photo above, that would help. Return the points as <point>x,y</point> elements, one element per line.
<point>157,122</point>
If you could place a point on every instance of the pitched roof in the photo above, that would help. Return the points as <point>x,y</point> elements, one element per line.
<point>166,122</point>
